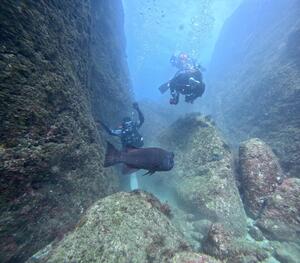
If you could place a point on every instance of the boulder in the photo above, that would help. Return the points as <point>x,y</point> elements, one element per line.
<point>260,174</point>
<point>280,219</point>
<point>256,233</point>
<point>203,179</point>
<point>189,257</point>
<point>223,245</point>
<point>286,252</point>
<point>124,227</point>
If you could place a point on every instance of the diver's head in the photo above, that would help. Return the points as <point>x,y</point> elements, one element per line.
<point>126,122</point>
<point>183,57</point>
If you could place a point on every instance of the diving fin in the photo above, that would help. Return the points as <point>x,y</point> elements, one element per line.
<point>164,87</point>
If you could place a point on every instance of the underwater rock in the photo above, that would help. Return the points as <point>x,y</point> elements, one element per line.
<point>260,174</point>
<point>280,219</point>
<point>254,78</point>
<point>222,244</point>
<point>217,241</point>
<point>51,153</point>
<point>111,92</point>
<point>123,227</point>
<point>287,252</point>
<point>189,257</point>
<point>193,234</point>
<point>256,233</point>
<point>202,227</point>
<point>203,178</point>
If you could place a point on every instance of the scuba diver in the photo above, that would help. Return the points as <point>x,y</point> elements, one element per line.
<point>183,61</point>
<point>187,81</point>
<point>128,131</point>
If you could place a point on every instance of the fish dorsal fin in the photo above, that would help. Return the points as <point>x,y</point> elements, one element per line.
<point>127,169</point>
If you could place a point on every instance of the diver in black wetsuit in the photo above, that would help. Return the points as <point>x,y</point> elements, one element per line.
<point>187,81</point>
<point>128,132</point>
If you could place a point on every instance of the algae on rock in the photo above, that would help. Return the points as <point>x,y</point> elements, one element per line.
<point>123,227</point>
<point>260,174</point>
<point>280,220</point>
<point>203,177</point>
<point>51,153</point>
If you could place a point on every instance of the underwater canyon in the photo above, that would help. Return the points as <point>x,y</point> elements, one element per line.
<point>234,192</point>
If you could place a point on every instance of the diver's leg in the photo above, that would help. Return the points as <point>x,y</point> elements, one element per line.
<point>174,97</point>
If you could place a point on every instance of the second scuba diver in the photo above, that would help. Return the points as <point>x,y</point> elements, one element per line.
<point>133,157</point>
<point>187,81</point>
<point>129,130</point>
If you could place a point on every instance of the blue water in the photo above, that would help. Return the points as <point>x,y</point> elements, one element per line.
<point>134,182</point>
<point>157,29</point>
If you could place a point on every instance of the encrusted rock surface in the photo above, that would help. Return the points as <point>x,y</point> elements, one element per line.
<point>203,178</point>
<point>260,174</point>
<point>280,219</point>
<point>223,245</point>
<point>50,151</point>
<point>109,82</point>
<point>188,257</point>
<point>254,78</point>
<point>124,227</point>
<point>287,252</point>
<point>269,197</point>
<point>255,233</point>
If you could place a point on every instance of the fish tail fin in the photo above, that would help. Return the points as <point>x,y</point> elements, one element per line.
<point>112,156</point>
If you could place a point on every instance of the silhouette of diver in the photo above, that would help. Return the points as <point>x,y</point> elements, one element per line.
<point>128,131</point>
<point>187,81</point>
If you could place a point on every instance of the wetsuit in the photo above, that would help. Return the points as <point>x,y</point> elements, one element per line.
<point>128,132</point>
<point>187,82</point>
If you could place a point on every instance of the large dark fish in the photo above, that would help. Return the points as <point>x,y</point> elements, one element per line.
<point>151,159</point>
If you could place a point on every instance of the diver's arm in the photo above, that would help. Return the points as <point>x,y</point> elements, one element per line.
<point>141,115</point>
<point>193,81</point>
<point>115,132</point>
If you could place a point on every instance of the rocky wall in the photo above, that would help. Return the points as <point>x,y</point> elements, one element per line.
<point>51,152</point>
<point>110,87</point>
<point>253,79</point>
